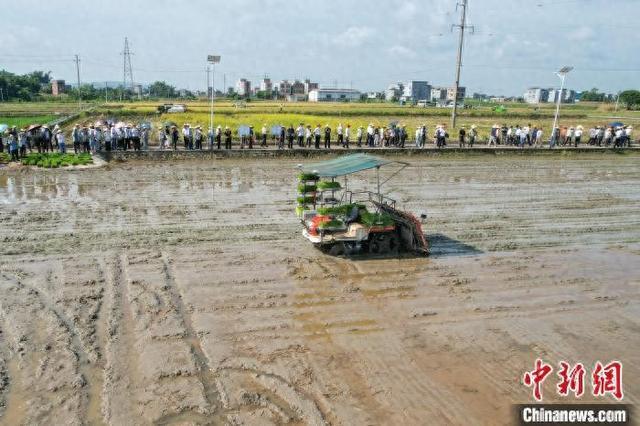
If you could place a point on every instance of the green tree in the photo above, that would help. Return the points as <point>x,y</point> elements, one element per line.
<point>592,96</point>
<point>160,89</point>
<point>631,98</point>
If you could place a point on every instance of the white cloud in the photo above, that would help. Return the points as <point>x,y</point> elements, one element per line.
<point>407,11</point>
<point>353,36</point>
<point>403,51</point>
<point>581,34</point>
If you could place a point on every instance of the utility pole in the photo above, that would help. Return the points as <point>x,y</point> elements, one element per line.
<point>224,83</point>
<point>77,61</point>
<point>106,89</point>
<point>462,27</point>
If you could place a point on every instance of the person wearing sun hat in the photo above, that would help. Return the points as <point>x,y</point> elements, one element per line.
<point>263,136</point>
<point>327,137</point>
<point>227,137</point>
<point>316,135</point>
<point>473,134</point>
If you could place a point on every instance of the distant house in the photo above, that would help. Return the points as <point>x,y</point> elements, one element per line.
<point>334,95</point>
<point>57,87</point>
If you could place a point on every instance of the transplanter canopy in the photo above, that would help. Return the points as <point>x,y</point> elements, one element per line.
<point>347,165</point>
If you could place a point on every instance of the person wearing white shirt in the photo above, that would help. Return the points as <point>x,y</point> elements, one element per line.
<point>627,135</point>
<point>317,133</point>
<point>370,132</point>
<point>340,135</point>
<point>418,136</point>
<point>186,136</point>
<point>300,135</point>
<point>576,136</point>
<point>307,135</point>
<point>347,135</point>
<point>539,137</point>
<point>618,140</point>
<point>359,136</point>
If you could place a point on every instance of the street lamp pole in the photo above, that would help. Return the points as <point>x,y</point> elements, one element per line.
<point>562,73</point>
<point>213,60</point>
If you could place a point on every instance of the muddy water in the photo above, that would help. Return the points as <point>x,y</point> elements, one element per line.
<point>175,293</point>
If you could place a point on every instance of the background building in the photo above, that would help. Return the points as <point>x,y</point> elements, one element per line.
<point>394,91</point>
<point>536,95</point>
<point>461,93</point>
<point>243,87</point>
<point>284,88</point>
<point>415,91</point>
<point>309,86</point>
<point>266,85</point>
<point>57,87</point>
<point>567,96</point>
<point>438,94</point>
<point>333,95</point>
<point>297,88</point>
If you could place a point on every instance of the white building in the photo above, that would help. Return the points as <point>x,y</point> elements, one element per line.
<point>243,87</point>
<point>568,95</point>
<point>266,85</point>
<point>438,94</point>
<point>415,91</point>
<point>536,95</point>
<point>333,95</point>
<point>394,91</point>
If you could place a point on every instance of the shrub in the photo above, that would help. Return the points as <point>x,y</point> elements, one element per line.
<point>307,177</point>
<point>306,200</point>
<point>342,210</point>
<point>324,185</point>
<point>305,189</point>
<point>334,223</point>
<point>376,219</point>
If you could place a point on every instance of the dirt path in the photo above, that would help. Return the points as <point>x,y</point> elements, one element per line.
<point>183,293</point>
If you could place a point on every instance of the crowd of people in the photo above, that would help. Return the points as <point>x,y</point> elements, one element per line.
<point>87,138</point>
<point>108,136</point>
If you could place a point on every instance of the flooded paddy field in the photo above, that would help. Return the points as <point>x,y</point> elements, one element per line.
<point>183,293</point>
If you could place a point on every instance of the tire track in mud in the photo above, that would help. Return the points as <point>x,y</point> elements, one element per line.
<point>317,325</point>
<point>46,376</point>
<point>252,387</point>
<point>204,373</point>
<point>120,374</point>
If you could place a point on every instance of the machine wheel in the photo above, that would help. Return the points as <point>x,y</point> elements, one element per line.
<point>394,243</point>
<point>379,244</point>
<point>337,249</point>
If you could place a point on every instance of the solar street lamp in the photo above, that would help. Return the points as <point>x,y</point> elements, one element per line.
<point>562,73</point>
<point>213,60</point>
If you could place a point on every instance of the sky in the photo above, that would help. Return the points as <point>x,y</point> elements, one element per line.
<point>364,44</point>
